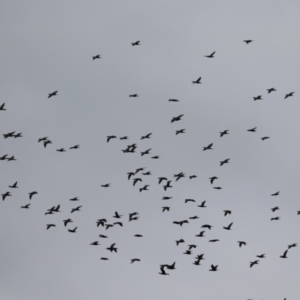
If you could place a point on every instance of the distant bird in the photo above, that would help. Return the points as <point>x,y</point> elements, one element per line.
<point>173,100</point>
<point>147,173</point>
<point>193,176</point>
<point>292,245</point>
<point>2,106</point>
<point>213,241</point>
<point>17,135</point>
<point>9,134</point>
<point>26,206</point>
<point>180,131</point>
<point>197,81</point>
<point>265,138</point>
<point>252,263</point>
<point>248,41</point>
<point>224,132</point>
<point>147,136</point>
<point>274,208</point>
<point>11,158</point>
<point>213,268</point>
<point>109,137</point>
<point>155,157</point>
<point>102,236</point>
<point>168,185</point>
<point>72,230</point>
<point>106,185</point>
<point>96,56</point>
<point>32,194</point>
<point>227,212</point>
<point>289,95</point>
<point>134,259</point>
<point>117,216</point>
<point>181,222</point>
<point>261,256</point>
<point>112,248</point>
<point>46,143</point>
<point>194,218</point>
<point>61,150</point>
<point>145,152</point>
<point>228,227</point>
<point>130,174</point>
<point>210,55</point>
<point>135,180</point>
<point>138,170</point>
<point>75,147</point>
<point>165,208</point>
<point>96,243</point>
<point>275,194</point>
<point>271,90</point>
<point>162,271</point>
<point>252,129</point>
<point>119,223</point>
<point>241,243</point>
<point>67,221</point>
<point>189,200</point>
<point>76,209</point>
<point>124,138</point>
<point>225,161</point>
<point>137,43</point>
<point>133,95</point>
<point>50,225</point>
<point>206,226</point>
<point>202,204</point>
<point>209,147</point>
<point>275,219</point>
<point>160,179</point>
<point>52,94</point>
<point>284,254</point>
<point>188,252</point>
<point>217,188</point>
<point>212,179</point>
<point>104,258</point>
<point>43,139</point>
<point>74,199</point>
<point>138,235</point>
<point>178,118</point>
<point>259,97</point>
<point>201,234</point>
<point>14,186</point>
<point>145,188</point>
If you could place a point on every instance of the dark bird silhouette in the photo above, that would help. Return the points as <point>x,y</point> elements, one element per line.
<point>165,208</point>
<point>117,216</point>
<point>75,147</point>
<point>213,268</point>
<point>2,106</point>
<point>96,56</point>
<point>194,218</point>
<point>292,245</point>
<point>271,90</point>
<point>274,208</point>
<point>173,100</point>
<point>284,254</point>
<point>112,248</point>
<point>17,135</point>
<point>135,180</point>
<point>137,43</point>
<point>178,118</point>
<point>227,212</point>
<point>168,185</point>
<point>120,223</point>
<point>133,95</point>
<point>138,170</point>
<point>14,186</point>
<point>241,243</point>
<point>181,222</point>
<point>32,194</point>
<point>130,174</point>
<point>26,206</point>
<point>9,134</point>
<point>224,132</point>
<point>275,219</point>
<point>252,129</point>
<point>124,138</point>
<point>96,243</point>
<point>207,226</point>
<point>107,226</point>
<point>162,271</point>
<point>210,55</point>
<point>145,152</point>
<point>217,188</point>
<point>52,94</point>
<point>212,179</point>
<point>43,139</point>
<point>248,41</point>
<point>265,138</point>
<point>261,256</point>
<point>252,263</point>
<point>259,97</point>
<point>202,204</point>
<point>134,260</point>
<point>275,194</point>
<point>201,234</point>
<point>193,176</point>
<point>289,95</point>
<point>160,179</point>
<point>67,221</point>
<point>147,136</point>
<point>103,236</point>
<point>179,175</point>
<point>105,185</point>
<point>147,173</point>
<point>228,227</point>
<point>197,81</point>
<point>189,200</point>
<point>61,150</point>
<point>180,131</point>
<point>188,252</point>
<point>138,235</point>
<point>104,258</point>
<point>11,158</point>
<point>3,157</point>
<point>109,137</point>
<point>50,225</point>
<point>46,143</point>
<point>166,198</point>
<point>101,222</point>
<point>225,161</point>
<point>74,199</point>
<point>145,188</point>
<point>72,230</point>
<point>155,157</point>
<point>214,241</point>
<point>76,209</point>
<point>209,147</point>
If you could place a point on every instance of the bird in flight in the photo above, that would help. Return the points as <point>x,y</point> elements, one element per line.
<point>209,147</point>
<point>112,248</point>
<point>14,186</point>
<point>181,222</point>
<point>32,194</point>
<point>133,95</point>
<point>67,221</point>
<point>248,41</point>
<point>162,271</point>
<point>109,137</point>
<point>50,225</point>
<point>210,55</point>
<point>284,254</point>
<point>145,188</point>
<point>275,194</point>
<point>289,95</point>
<point>227,212</point>
<point>261,256</point>
<point>252,129</point>
<point>173,100</point>
<point>265,138</point>
<point>52,94</point>
<point>252,263</point>
<point>147,136</point>
<point>134,259</point>
<point>61,150</point>
<point>2,106</point>
<point>292,245</point>
<point>224,132</point>
<point>213,268</point>
<point>241,243</point>
<point>259,97</point>
<point>46,143</point>
<point>76,209</point>
<point>271,90</point>
<point>137,43</point>
<point>26,206</point>
<point>96,56</point>
<point>180,131</point>
<point>197,81</point>
<point>174,119</point>
<point>105,185</point>
<point>75,147</point>
<point>225,161</point>
<point>165,208</point>
<point>201,234</point>
<point>212,179</point>
<point>72,230</point>
<point>207,226</point>
<point>228,227</point>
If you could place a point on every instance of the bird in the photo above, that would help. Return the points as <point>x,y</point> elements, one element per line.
<point>181,222</point>
<point>52,94</point>
<point>259,97</point>
<point>160,179</point>
<point>178,118</point>
<point>106,185</point>
<point>145,188</point>
<point>109,137</point>
<point>241,243</point>
<point>43,139</point>
<point>138,235</point>
<point>284,254</point>
<point>228,227</point>
<point>61,150</point>
<point>213,268</point>
<point>274,208</point>
<point>2,106</point>
<point>201,234</point>
<point>188,252</point>
<point>194,218</point>
<point>74,199</point>
<point>193,176</point>
<point>252,129</point>
<point>292,245</point>
<point>112,248</point>
<point>209,147</point>
<point>76,209</point>
<point>26,206</point>
<point>46,142</point>
<point>189,200</point>
<point>124,138</point>
<point>210,55</point>
<point>96,56</point>
<point>135,180</point>
<point>9,134</point>
<point>67,221</point>
<point>104,258</point>
<point>96,243</point>
<point>165,208</point>
<point>147,173</point>
<point>224,132</point>
<point>72,230</point>
<point>252,263</point>
<point>147,136</point>
<point>155,157</point>
<point>217,187</point>
<point>248,41</point>
<point>137,43</point>
<point>197,81</point>
<point>261,255</point>
<point>173,100</point>
<point>225,161</point>
<point>17,135</point>
<point>129,175</point>
<point>119,223</point>
<point>14,186</point>
<point>202,204</point>
<point>162,271</point>
<point>117,216</point>
<point>180,131</point>
<point>214,241</point>
<point>265,138</point>
<point>275,219</point>
<point>31,194</point>
<point>145,152</point>
<point>227,212</point>
<point>50,225</point>
<point>138,170</point>
<point>275,194</point>
<point>289,95</point>
<point>75,147</point>
<point>133,95</point>
<point>212,179</point>
<point>207,226</point>
<point>168,185</point>
<point>271,90</point>
<point>102,236</point>
<point>134,259</point>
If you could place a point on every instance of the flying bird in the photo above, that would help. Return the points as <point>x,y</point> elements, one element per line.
<point>173,100</point>
<point>228,227</point>
<point>289,95</point>
<point>134,259</point>
<point>224,132</point>
<point>259,97</point>
<point>147,136</point>
<point>67,221</point>
<point>178,118</point>
<point>2,106</point>
<point>106,185</point>
<point>32,194</point>
<point>14,186</point>
<point>271,90</point>
<point>225,161</point>
<point>209,147</point>
<point>96,56</point>
<point>252,263</point>
<point>52,94</point>
<point>213,268</point>
<point>197,81</point>
<point>252,129</point>
<point>165,208</point>
<point>50,225</point>
<point>137,43</point>
<point>75,147</point>
<point>109,137</point>
<point>72,230</point>
<point>210,55</point>
<point>26,206</point>
<point>180,131</point>
<point>133,95</point>
<point>227,212</point>
<point>212,179</point>
<point>248,41</point>
<point>284,254</point>
<point>241,243</point>
<point>265,138</point>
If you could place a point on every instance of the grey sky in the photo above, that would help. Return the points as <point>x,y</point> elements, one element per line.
<point>48,46</point>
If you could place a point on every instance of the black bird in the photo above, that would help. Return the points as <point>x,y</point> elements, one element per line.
<point>109,137</point>
<point>168,185</point>
<point>206,226</point>
<point>201,234</point>
<point>75,147</point>
<point>11,158</point>
<point>180,131</point>
<point>14,186</point>
<point>117,216</point>
<point>108,226</point>
<point>96,243</point>
<point>138,170</point>
<point>76,209</point>
<point>46,143</point>
<point>241,243</point>
<point>102,236</point>
<point>265,138</point>
<point>147,136</point>
<point>101,222</point>
<point>202,204</point>
<point>50,225</point>
<point>52,94</point>
<point>225,161</point>
<point>32,194</point>
<point>155,157</point>
<point>105,185</point>
<point>137,43</point>
<point>165,208</point>
<point>124,138</point>
<point>130,174</point>
<point>209,147</point>
<point>275,219</point>
<point>166,198</point>
<point>271,90</point>
<point>194,218</point>
<point>72,230</point>
<point>248,41</point>
<point>227,212</point>
<point>135,180</point>
<point>292,245</point>
<point>146,152</point>
<point>289,95</point>
<point>228,227</point>
<point>189,200</point>
<point>138,235</point>
<point>7,135</point>
<point>112,248</point>
<point>193,176</point>
<point>261,256</point>
<point>134,259</point>
<point>224,132</point>
<point>217,187</point>
<point>178,118</point>
<point>67,221</point>
<point>274,208</point>
<point>213,268</point>
<point>134,95</point>
<point>96,56</point>
<point>197,81</point>
<point>43,139</point>
<point>162,271</point>
<point>210,55</point>
<point>119,223</point>
<point>181,222</point>
<point>61,150</point>
<point>252,129</point>
<point>17,135</point>
<point>173,100</point>
<point>259,97</point>
<point>212,179</point>
<point>188,252</point>
<point>252,263</point>
<point>74,199</point>
<point>147,173</point>
<point>213,241</point>
<point>145,188</point>
<point>2,107</point>
<point>284,254</point>
<point>104,258</point>
<point>3,157</point>
<point>275,194</point>
<point>26,206</point>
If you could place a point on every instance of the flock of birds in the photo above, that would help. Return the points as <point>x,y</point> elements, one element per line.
<point>137,177</point>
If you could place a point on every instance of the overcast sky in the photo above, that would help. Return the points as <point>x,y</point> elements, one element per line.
<point>48,46</point>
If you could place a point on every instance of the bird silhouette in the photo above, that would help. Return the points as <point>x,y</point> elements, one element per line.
<point>212,179</point>
<point>202,204</point>
<point>265,138</point>
<point>213,268</point>
<point>248,41</point>
<point>147,136</point>
<point>133,95</point>
<point>261,256</point>
<point>209,147</point>
<point>96,56</point>
<point>225,161</point>
<point>72,230</point>
<point>14,186</point>
<point>284,254</point>
<point>275,194</point>
<point>173,100</point>
<point>109,137</point>
<point>197,81</point>
<point>137,43</point>
<point>75,147</point>
<point>26,206</point>
<point>252,263</point>
<point>252,129</point>
<point>206,226</point>
<point>227,212</point>
<point>180,131</point>
<point>52,94</point>
<point>31,194</point>
<point>96,243</point>
<point>228,227</point>
<point>76,209</point>
<point>289,95</point>
<point>145,188</point>
<point>67,221</point>
<point>201,234</point>
<point>210,55</point>
<point>178,118</point>
<point>224,132</point>
<point>271,90</point>
<point>50,225</point>
<point>259,97</point>
<point>165,208</point>
<point>241,243</point>
<point>106,185</point>
<point>2,106</point>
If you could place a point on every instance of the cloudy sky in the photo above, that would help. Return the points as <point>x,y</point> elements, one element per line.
<point>48,46</point>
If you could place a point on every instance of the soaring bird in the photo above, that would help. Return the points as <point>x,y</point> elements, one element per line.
<point>165,208</point>
<point>194,218</point>
<point>193,176</point>
<point>173,100</point>
<point>26,206</point>
<point>109,137</point>
<point>146,152</point>
<point>168,185</point>
<point>265,138</point>
<point>135,180</point>
<point>248,41</point>
<point>178,118</point>
<point>96,56</point>
<point>96,243</point>
<point>209,147</point>
<point>124,137</point>
<point>212,179</point>
<point>112,248</point>
<point>50,225</point>
<point>180,131</point>
<point>75,147</point>
<point>61,150</point>
<point>292,245</point>
<point>137,43</point>
<point>228,227</point>
<point>14,186</point>
<point>224,132</point>
<point>147,136</point>
<point>252,129</point>
<point>271,90</point>
<point>213,241</point>
<point>189,200</point>
<point>72,230</point>
<point>284,254</point>
<point>274,208</point>
<point>105,185</point>
<point>134,259</point>
<point>213,268</point>
<point>117,216</point>
<point>227,212</point>
<point>67,221</point>
<point>43,139</point>
<point>202,204</point>
<point>207,226</point>
<point>275,219</point>
<point>160,179</point>
<point>197,81</point>
<point>181,222</point>
<point>201,234</point>
<point>145,188</point>
<point>162,271</point>
<point>74,199</point>
<point>210,55</point>
<point>259,97</point>
<point>252,263</point>
<point>225,161</point>
<point>241,243</point>
<point>76,209</point>
<point>138,235</point>
<point>2,106</point>
<point>289,95</point>
<point>261,255</point>
<point>32,194</point>
<point>46,142</point>
<point>275,194</point>
<point>133,95</point>
<point>52,94</point>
